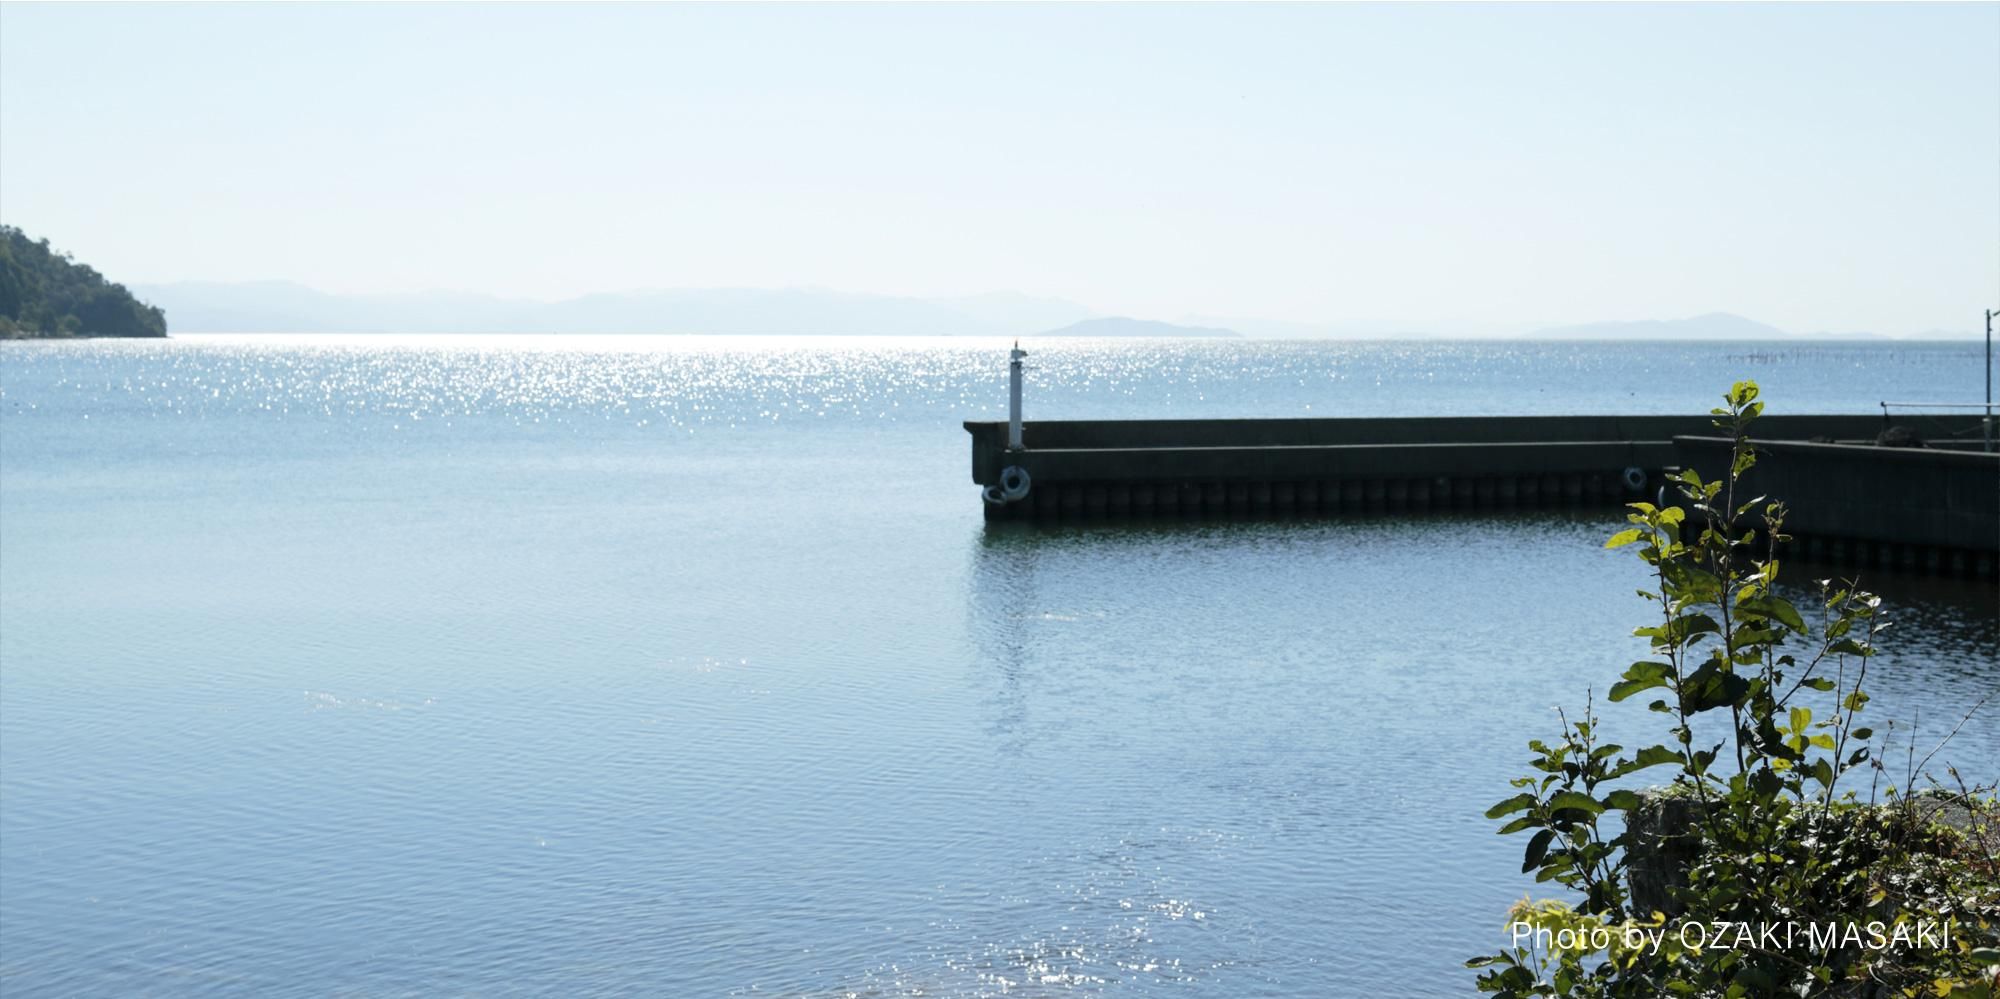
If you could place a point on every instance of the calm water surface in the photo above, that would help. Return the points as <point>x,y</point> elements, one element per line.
<point>686,666</point>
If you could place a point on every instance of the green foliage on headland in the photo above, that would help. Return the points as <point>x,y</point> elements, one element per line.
<point>46,293</point>
<point>1756,870</point>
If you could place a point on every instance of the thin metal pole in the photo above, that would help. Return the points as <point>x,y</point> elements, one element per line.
<point>1014,397</point>
<point>1988,422</point>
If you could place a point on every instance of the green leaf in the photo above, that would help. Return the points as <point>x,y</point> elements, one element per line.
<point>1772,742</point>
<point>1651,756</point>
<point>1641,676</point>
<point>1776,608</point>
<point>1625,537</point>
<point>1537,849</point>
<point>1511,805</point>
<point>1767,784</point>
<point>1626,688</point>
<point>1688,627</point>
<point>1577,800</point>
<point>1708,687</point>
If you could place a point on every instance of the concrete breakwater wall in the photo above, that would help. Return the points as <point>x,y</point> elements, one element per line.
<point>1933,510</point>
<point>1928,509</point>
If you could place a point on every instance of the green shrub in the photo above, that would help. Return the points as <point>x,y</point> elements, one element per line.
<point>1759,831</point>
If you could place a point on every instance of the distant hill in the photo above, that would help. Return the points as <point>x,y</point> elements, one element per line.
<point>1123,326</point>
<point>1016,314</point>
<point>46,293</point>
<point>1713,326</point>
<point>1360,329</point>
<point>285,307</point>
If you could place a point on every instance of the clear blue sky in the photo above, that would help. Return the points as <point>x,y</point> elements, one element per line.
<point>1816,167</point>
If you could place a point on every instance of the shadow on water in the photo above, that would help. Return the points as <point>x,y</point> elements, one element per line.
<point>1939,659</point>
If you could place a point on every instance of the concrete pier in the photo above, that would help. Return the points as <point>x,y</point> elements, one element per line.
<point>1931,509</point>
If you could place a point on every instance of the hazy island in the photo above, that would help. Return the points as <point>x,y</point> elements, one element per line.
<point>46,293</point>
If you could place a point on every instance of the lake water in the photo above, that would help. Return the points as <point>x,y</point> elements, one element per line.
<point>686,666</point>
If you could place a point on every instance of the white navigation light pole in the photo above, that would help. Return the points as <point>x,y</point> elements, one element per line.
<point>1988,422</point>
<point>1014,397</point>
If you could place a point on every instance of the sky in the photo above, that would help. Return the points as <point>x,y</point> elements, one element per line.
<point>1819,168</point>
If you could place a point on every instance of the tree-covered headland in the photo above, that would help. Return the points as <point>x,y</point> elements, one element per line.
<point>46,293</point>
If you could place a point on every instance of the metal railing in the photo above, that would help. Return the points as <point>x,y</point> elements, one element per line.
<point>1985,424</point>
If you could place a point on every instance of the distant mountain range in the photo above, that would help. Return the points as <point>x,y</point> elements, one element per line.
<point>1713,326</point>
<point>1123,326</point>
<point>286,307</point>
<point>1362,329</point>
